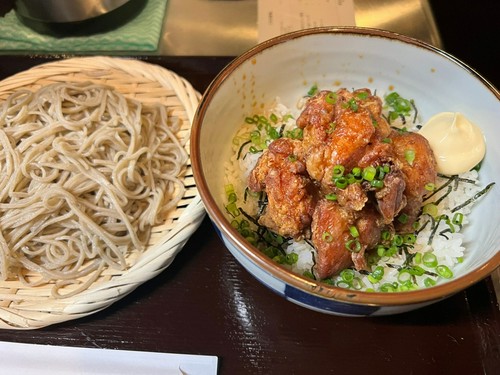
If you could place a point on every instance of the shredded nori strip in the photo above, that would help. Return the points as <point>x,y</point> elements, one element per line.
<point>433,231</point>
<point>250,217</point>
<point>282,129</point>
<point>474,198</point>
<point>241,149</point>
<point>262,231</point>
<point>399,268</point>
<point>415,109</point>
<point>450,189</point>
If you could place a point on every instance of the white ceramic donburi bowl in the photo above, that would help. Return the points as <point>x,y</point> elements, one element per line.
<point>286,67</point>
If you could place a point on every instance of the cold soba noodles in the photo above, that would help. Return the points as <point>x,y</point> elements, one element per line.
<point>85,175</point>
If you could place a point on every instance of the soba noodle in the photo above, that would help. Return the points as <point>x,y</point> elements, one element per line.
<point>85,174</point>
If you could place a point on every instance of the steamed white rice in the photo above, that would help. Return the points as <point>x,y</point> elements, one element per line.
<point>447,240</point>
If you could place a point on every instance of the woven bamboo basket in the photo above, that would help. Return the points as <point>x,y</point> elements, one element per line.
<point>23,307</point>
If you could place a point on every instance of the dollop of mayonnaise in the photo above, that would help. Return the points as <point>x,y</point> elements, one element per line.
<point>457,143</point>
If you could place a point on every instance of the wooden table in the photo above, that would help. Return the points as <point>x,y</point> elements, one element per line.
<point>206,303</point>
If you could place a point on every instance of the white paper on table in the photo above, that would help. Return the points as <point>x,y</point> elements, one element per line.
<point>37,359</point>
<point>277,17</point>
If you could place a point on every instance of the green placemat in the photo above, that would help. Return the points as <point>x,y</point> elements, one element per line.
<point>142,33</point>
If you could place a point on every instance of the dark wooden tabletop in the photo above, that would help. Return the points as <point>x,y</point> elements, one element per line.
<point>206,303</point>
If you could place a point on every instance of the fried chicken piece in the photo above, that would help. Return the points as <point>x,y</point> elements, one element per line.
<point>353,197</point>
<point>418,165</point>
<point>391,199</point>
<point>290,192</point>
<point>330,233</point>
<point>369,225</point>
<point>338,128</point>
<point>331,236</point>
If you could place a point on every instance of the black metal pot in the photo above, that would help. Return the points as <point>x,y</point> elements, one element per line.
<point>76,17</point>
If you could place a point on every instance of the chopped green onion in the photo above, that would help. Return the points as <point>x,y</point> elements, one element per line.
<point>341,182</point>
<point>296,133</point>
<point>331,127</point>
<point>313,90</point>
<point>291,258</point>
<point>329,281</point>
<point>229,188</point>
<point>430,209</point>
<point>272,132</point>
<point>327,237</point>
<point>428,282</point>
<point>381,172</point>
<point>338,171</point>
<point>392,250</point>
<point>353,105</point>
<point>458,217</point>
<point>388,288</point>
<point>354,231</point>
<point>410,238</point>
<point>369,173</point>
<point>380,251</point>
<point>430,186</point>
<point>270,251</point>
<point>331,97</point>
<point>347,275</point>
<point>255,137</point>
<point>331,197</point>
<point>362,95</point>
<point>448,221</point>
<point>351,179</point>
<point>308,274</point>
<point>399,105</point>
<point>444,271</point>
<point>378,273</point>
<point>372,279</point>
<point>416,270</point>
<point>343,284</point>
<point>429,260</point>
<point>417,259</point>
<point>410,156</point>
<point>231,198</point>
<point>254,150</point>
<point>357,284</point>
<point>403,218</point>
<point>377,184</point>
<point>354,246</point>
<point>233,209</point>
<point>397,240</point>
<point>404,275</point>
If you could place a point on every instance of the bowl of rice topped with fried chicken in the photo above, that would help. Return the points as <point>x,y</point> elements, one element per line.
<point>345,169</point>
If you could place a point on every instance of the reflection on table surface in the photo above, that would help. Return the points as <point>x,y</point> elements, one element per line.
<point>227,28</point>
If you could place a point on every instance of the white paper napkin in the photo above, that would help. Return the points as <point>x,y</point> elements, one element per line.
<point>31,359</point>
